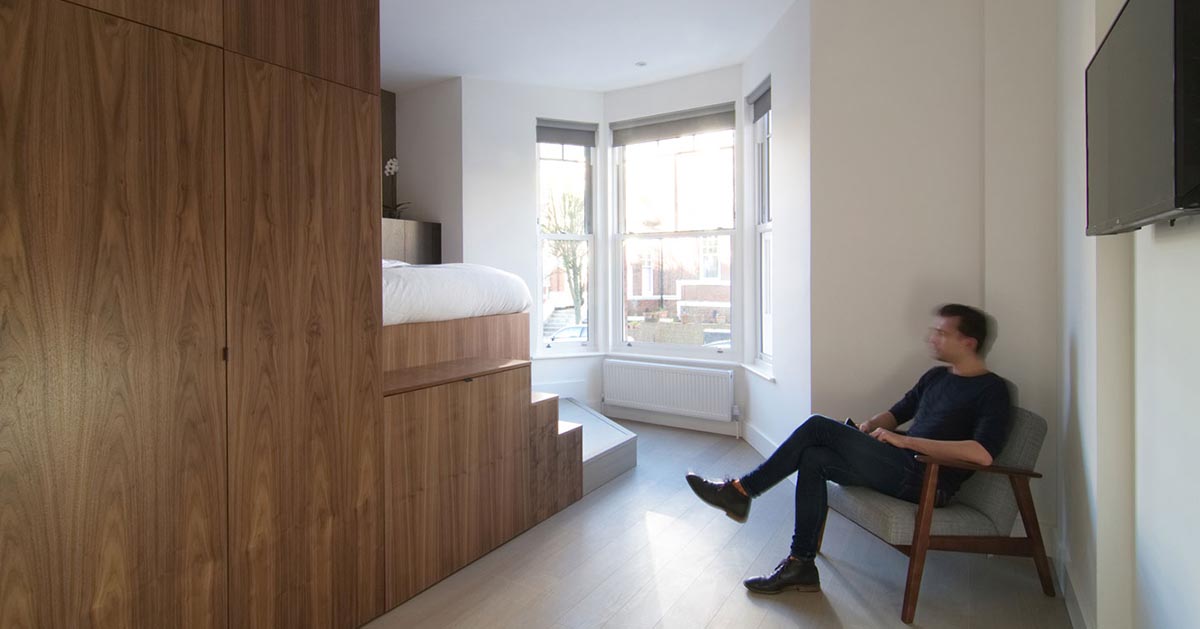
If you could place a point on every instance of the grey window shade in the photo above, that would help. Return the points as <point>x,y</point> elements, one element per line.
<point>760,99</point>
<point>652,128</point>
<point>565,132</point>
<point>762,105</point>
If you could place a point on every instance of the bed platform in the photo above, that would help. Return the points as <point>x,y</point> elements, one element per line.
<point>416,344</point>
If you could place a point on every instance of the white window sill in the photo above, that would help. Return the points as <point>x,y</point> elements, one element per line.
<point>708,359</point>
<point>762,370</point>
<point>582,353</point>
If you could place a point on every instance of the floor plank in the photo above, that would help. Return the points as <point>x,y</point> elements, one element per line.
<point>641,551</point>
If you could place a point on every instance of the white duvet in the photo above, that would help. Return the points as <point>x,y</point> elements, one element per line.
<point>440,292</point>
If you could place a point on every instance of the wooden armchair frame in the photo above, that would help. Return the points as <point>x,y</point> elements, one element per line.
<point>1029,546</point>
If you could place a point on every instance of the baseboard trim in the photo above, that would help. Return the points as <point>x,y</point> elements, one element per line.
<point>760,442</point>
<point>729,429</point>
<point>1074,614</point>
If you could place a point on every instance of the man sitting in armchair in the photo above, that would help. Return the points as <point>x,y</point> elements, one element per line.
<point>962,412</point>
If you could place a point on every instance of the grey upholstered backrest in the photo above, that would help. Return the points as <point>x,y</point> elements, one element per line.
<point>992,494</point>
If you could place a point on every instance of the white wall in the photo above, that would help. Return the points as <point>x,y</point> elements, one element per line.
<point>1167,431</point>
<point>1078,437</point>
<point>774,409</point>
<point>897,190</point>
<point>696,90</point>
<point>1097,449</point>
<point>429,149</point>
<point>1020,212</point>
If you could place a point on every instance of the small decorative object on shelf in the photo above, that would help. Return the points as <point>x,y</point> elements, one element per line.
<point>390,168</point>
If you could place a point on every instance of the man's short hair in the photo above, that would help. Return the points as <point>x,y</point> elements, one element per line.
<point>972,323</point>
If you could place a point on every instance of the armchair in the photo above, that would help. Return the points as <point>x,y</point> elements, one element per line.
<point>977,520</point>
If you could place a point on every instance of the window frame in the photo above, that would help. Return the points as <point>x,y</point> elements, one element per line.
<point>764,241</point>
<point>621,289</point>
<point>542,346</point>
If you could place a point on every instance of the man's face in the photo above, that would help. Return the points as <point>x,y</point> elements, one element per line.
<point>946,343</point>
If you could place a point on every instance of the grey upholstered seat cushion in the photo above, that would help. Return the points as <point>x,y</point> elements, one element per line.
<point>892,519</point>
<point>984,505</point>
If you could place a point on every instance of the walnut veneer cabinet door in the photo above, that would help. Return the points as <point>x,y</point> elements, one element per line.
<point>305,385</point>
<point>112,385</point>
<point>336,40</point>
<point>198,19</point>
<point>457,481</point>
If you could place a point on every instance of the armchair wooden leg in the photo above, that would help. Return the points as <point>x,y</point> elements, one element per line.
<point>1020,485</point>
<point>920,543</point>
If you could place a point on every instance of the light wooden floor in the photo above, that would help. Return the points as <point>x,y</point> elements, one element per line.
<point>642,551</point>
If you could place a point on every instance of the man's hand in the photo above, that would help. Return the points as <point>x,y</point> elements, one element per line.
<point>890,438</point>
<point>883,420</point>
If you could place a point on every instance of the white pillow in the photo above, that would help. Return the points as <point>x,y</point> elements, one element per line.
<point>391,264</point>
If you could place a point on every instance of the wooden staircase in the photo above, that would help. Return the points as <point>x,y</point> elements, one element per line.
<point>557,457</point>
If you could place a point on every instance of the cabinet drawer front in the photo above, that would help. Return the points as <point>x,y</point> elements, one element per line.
<point>456,476</point>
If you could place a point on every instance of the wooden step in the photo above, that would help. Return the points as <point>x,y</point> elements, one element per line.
<point>569,464</point>
<point>413,378</point>
<point>542,398</point>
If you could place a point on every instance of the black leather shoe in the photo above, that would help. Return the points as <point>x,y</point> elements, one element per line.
<point>722,495</point>
<point>790,574</point>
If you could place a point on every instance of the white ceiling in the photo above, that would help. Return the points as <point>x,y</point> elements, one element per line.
<point>581,44</point>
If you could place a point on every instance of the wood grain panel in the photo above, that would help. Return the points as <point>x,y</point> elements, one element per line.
<point>405,380</point>
<point>336,40</point>
<point>306,520</point>
<point>569,475</point>
<point>543,459</point>
<point>457,482</point>
<point>198,19</point>
<point>112,434</point>
<point>417,344</point>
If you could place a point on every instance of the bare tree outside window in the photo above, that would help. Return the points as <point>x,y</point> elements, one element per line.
<point>564,215</point>
<point>565,241</point>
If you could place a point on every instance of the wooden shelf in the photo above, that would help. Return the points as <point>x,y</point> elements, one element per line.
<point>413,378</point>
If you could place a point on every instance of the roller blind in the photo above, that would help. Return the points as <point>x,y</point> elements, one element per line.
<point>566,132</point>
<point>666,126</point>
<point>760,99</point>
<point>762,104</point>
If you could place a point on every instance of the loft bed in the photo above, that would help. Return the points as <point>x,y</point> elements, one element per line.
<point>472,456</point>
<point>436,313</point>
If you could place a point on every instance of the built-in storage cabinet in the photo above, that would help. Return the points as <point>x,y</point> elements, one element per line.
<point>336,40</point>
<point>190,374</point>
<point>456,479</point>
<point>305,457</point>
<point>112,307</point>
<point>192,387</point>
<point>473,458</point>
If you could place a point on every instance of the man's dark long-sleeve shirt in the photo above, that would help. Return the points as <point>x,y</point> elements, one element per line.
<point>947,407</point>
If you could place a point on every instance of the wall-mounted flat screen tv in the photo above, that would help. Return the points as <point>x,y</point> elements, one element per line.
<point>1143,117</point>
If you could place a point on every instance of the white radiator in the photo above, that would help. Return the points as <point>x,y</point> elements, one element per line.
<point>688,391</point>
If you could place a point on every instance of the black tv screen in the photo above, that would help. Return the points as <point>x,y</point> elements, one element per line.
<point>1142,119</point>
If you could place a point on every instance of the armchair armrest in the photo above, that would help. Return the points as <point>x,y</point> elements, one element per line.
<point>962,465</point>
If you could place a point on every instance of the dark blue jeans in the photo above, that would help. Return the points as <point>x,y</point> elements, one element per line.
<point>824,449</point>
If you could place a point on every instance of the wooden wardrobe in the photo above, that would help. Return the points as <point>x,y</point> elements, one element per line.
<point>190,389</point>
